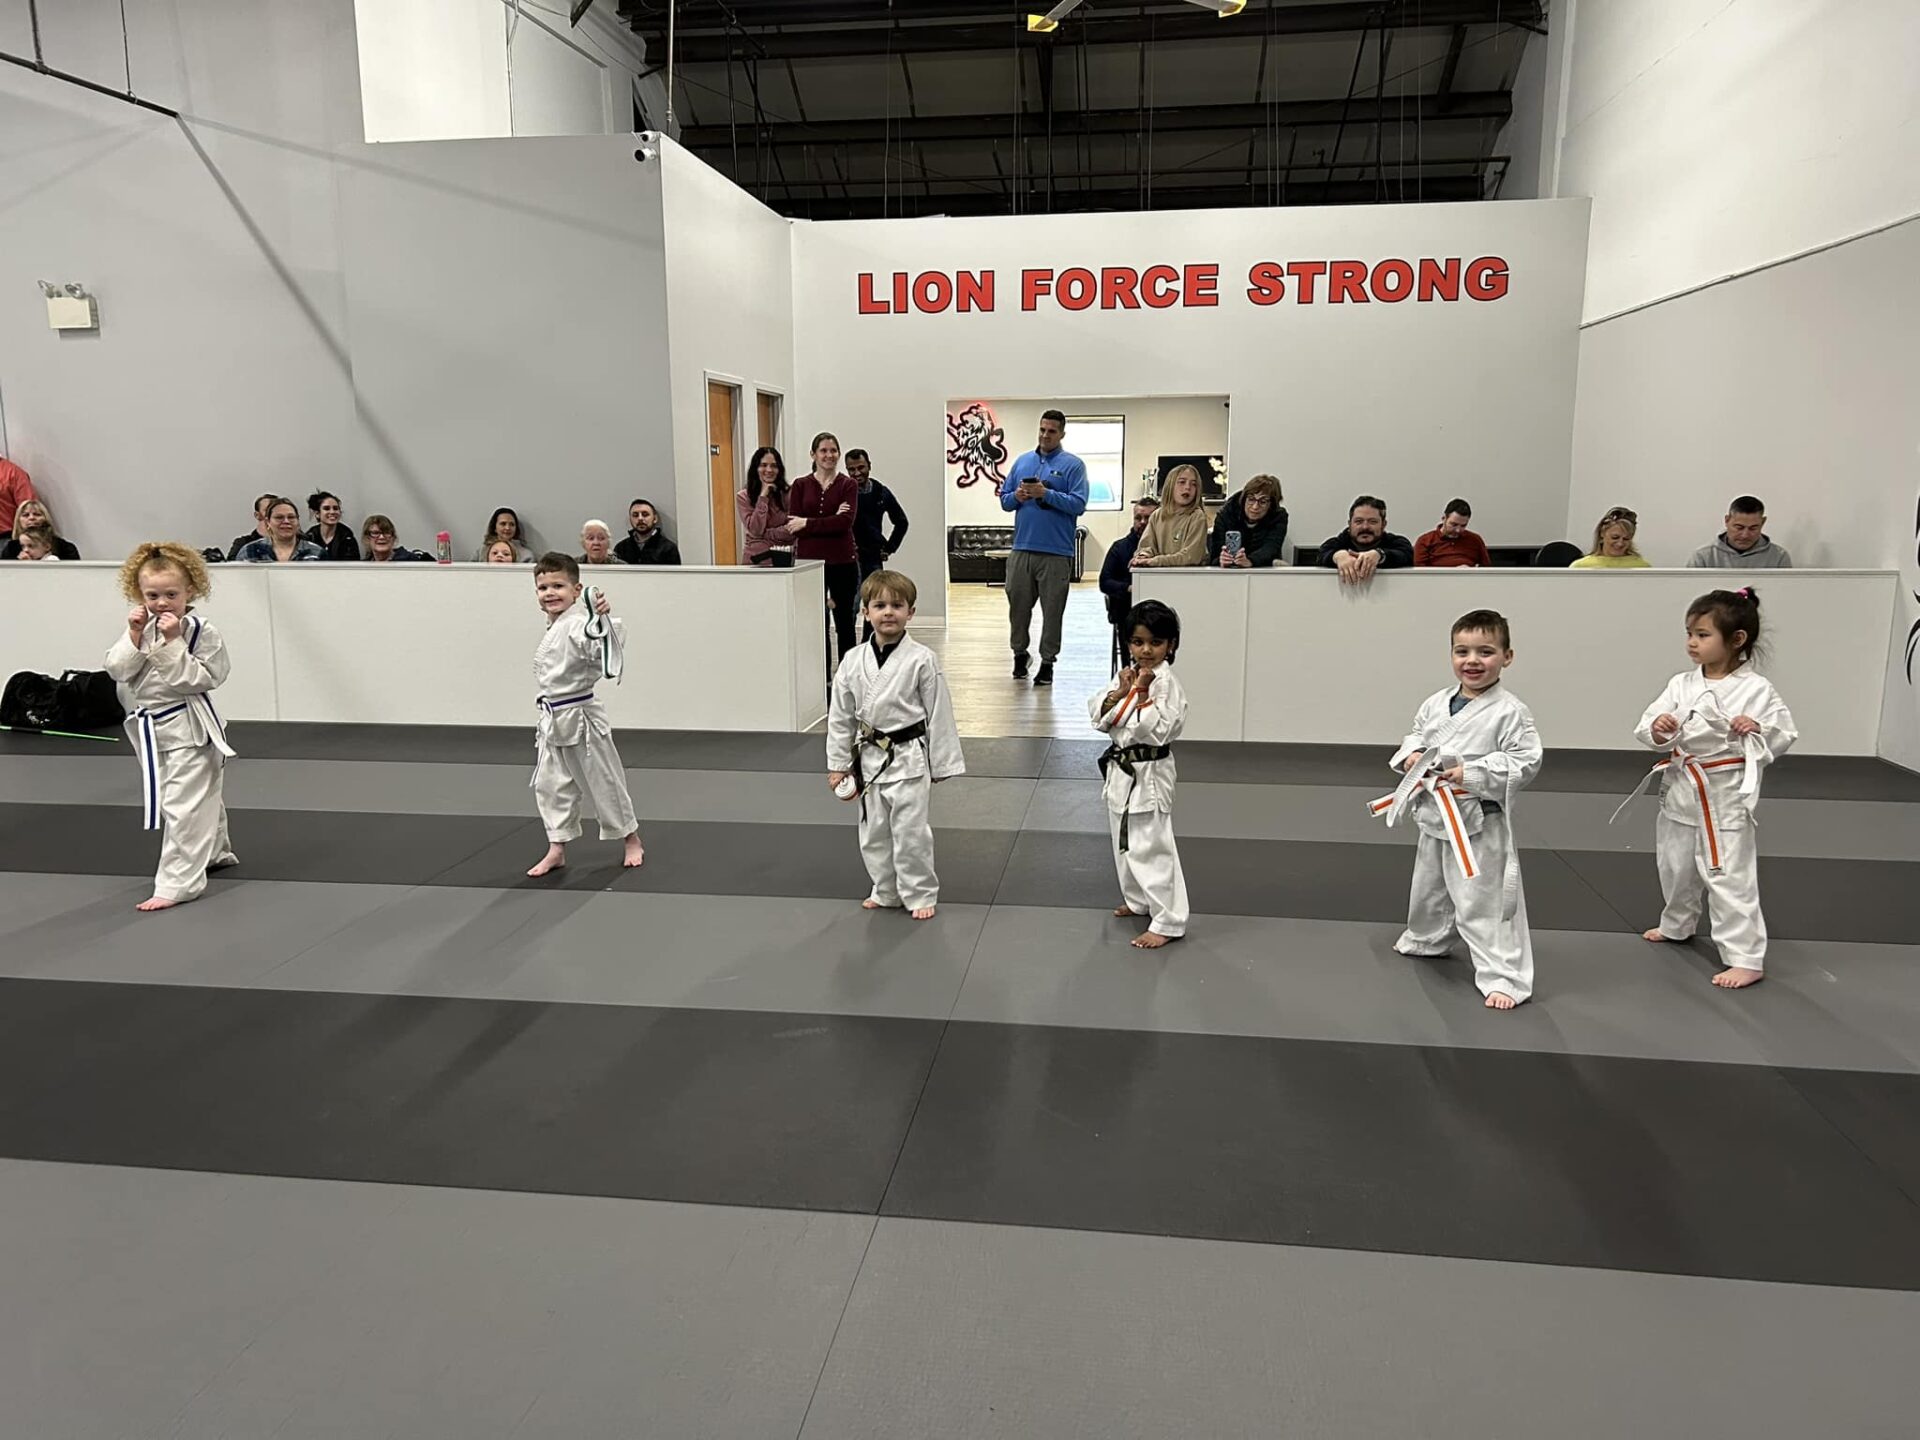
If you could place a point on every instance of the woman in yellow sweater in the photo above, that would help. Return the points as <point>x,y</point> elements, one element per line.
<point>1613,547</point>
<point>1177,533</point>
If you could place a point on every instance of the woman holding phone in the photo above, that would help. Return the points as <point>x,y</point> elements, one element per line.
<point>1250,532</point>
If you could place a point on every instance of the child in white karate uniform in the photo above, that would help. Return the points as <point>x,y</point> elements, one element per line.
<point>165,667</point>
<point>1141,715</point>
<point>583,645</point>
<point>891,735</point>
<point>1723,724</point>
<point>1472,749</point>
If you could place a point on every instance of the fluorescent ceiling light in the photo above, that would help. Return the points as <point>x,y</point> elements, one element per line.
<point>1223,7</point>
<point>1051,20</point>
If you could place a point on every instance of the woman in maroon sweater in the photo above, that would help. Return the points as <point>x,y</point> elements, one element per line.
<point>822,506</point>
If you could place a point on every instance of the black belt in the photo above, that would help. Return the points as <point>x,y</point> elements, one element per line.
<point>1126,757</point>
<point>884,741</point>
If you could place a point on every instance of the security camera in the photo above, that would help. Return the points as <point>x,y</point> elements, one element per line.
<point>646,153</point>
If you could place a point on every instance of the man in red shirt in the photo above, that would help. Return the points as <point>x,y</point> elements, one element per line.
<point>1451,542</point>
<point>15,486</point>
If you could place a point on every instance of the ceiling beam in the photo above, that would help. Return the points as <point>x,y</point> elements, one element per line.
<point>1108,26</point>
<point>926,129</point>
<point>1117,197</point>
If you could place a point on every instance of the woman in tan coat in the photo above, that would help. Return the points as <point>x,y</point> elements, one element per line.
<point>1177,533</point>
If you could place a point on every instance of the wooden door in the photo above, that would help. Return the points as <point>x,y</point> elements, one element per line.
<point>769,408</point>
<point>722,470</point>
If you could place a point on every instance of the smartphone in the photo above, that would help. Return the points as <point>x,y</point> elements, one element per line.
<point>1232,542</point>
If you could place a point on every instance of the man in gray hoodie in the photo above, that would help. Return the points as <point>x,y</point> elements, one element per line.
<point>1743,545</point>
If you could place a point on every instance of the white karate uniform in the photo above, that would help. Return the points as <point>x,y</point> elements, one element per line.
<point>574,744</point>
<point>181,745</point>
<point>1704,840</point>
<point>1466,870</point>
<point>1151,880</point>
<point>896,828</point>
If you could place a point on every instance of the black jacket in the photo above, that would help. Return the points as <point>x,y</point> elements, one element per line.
<point>1263,542</point>
<point>1116,575</point>
<point>64,548</point>
<point>658,550</point>
<point>876,506</point>
<point>344,546</point>
<point>1396,551</point>
<point>240,542</point>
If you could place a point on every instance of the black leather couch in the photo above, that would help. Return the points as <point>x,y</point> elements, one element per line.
<point>968,559</point>
<point>1503,555</point>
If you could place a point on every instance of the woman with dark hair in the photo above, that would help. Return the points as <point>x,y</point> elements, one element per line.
<point>335,540</point>
<point>504,525</point>
<point>822,507</point>
<point>762,506</point>
<point>1256,521</point>
<point>283,540</point>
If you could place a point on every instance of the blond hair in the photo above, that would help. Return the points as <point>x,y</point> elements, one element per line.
<point>165,555</point>
<point>1173,478</point>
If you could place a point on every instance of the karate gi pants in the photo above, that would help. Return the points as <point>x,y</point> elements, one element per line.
<point>1732,898</point>
<point>1033,576</point>
<point>1151,881</point>
<point>1443,902</point>
<point>896,841</point>
<point>563,771</point>
<point>193,820</point>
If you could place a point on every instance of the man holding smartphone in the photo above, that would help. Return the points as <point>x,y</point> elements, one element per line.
<point>1046,489</point>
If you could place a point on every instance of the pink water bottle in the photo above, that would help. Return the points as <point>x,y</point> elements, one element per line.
<point>443,545</point>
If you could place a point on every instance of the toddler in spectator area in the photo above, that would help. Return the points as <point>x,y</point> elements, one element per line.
<point>1141,715</point>
<point>1723,724</point>
<point>583,645</point>
<point>1473,747</point>
<point>504,524</point>
<point>500,552</point>
<point>34,514</point>
<point>890,737</point>
<point>36,543</point>
<point>166,665</point>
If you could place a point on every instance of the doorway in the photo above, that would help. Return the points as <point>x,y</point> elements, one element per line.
<point>1126,444</point>
<point>723,407</point>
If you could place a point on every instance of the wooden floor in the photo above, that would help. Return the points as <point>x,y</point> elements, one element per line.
<point>973,651</point>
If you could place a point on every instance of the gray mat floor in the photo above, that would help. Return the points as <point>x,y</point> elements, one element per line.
<point>1722,1187</point>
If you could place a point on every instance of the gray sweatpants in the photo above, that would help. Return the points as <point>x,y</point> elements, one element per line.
<point>1032,575</point>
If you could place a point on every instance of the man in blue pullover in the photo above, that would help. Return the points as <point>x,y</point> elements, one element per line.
<point>1046,489</point>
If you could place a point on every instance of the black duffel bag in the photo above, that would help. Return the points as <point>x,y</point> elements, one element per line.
<point>78,700</point>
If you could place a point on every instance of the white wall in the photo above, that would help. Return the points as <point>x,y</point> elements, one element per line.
<point>1417,402</point>
<point>480,69</point>
<point>1825,630</point>
<point>508,305</point>
<point>1156,426</point>
<point>220,367</point>
<point>1799,384</point>
<point>1717,136</point>
<point>730,314</point>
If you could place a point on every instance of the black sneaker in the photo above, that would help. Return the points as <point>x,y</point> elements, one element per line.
<point>1019,664</point>
<point>1044,676</point>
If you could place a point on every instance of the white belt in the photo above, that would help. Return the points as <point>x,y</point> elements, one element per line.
<point>1398,804</point>
<point>147,749</point>
<point>1696,772</point>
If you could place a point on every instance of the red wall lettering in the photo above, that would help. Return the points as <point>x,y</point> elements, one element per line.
<point>1117,286</point>
<point>1266,283</point>
<point>1305,271</point>
<point>1153,286</point>
<point>932,292</point>
<point>1076,289</point>
<point>1034,284</point>
<point>1346,280</point>
<point>1487,278</point>
<point>1392,280</point>
<point>975,290</point>
<point>1200,285</point>
<point>869,303</point>
<point>1440,279</point>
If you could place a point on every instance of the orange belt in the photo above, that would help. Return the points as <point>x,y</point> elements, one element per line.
<point>1397,804</point>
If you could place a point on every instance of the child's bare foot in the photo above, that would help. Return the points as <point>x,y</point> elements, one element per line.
<point>1654,935</point>
<point>871,903</point>
<point>634,854</point>
<point>1151,941</point>
<point>156,903</point>
<point>1500,1000</point>
<point>554,859</point>
<point>1121,912</point>
<point>1733,978</point>
<point>925,912</point>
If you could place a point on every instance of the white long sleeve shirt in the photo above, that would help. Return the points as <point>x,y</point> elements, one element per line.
<point>157,675</point>
<point>1706,710</point>
<point>907,689</point>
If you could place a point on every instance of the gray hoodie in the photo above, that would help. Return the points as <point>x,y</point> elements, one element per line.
<point>1721,556</point>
